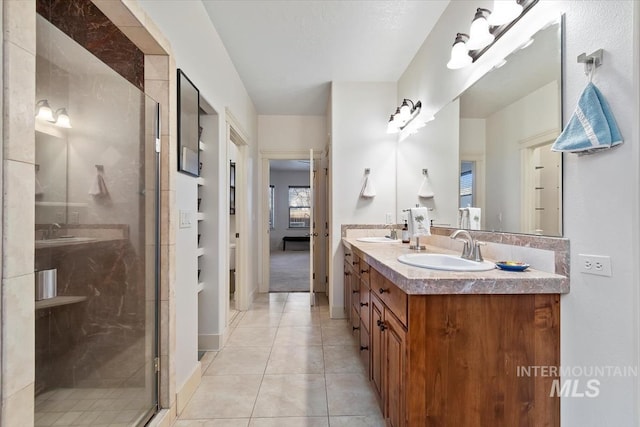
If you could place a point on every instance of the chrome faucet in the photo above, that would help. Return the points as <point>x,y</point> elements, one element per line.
<point>471,248</point>
<point>50,232</point>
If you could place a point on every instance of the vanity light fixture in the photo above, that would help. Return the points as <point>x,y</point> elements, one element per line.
<point>479,35</point>
<point>62,118</point>
<point>44,111</point>
<point>486,28</point>
<point>404,114</point>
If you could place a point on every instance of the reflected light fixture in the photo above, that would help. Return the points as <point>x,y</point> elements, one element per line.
<point>504,11</point>
<point>459,53</point>
<point>404,114</point>
<point>44,111</point>
<point>62,118</point>
<point>479,35</point>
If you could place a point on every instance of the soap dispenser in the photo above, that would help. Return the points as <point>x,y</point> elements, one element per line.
<point>405,232</point>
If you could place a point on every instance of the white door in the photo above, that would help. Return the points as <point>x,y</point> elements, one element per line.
<point>312,228</point>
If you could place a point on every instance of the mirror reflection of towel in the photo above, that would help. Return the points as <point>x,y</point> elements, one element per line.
<point>99,187</point>
<point>39,190</point>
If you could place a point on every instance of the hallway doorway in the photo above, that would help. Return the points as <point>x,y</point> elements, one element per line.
<point>290,225</point>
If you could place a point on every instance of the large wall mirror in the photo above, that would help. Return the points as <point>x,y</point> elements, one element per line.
<point>490,148</point>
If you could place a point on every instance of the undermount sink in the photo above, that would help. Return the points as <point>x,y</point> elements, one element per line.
<point>59,240</point>
<point>381,239</point>
<point>445,262</point>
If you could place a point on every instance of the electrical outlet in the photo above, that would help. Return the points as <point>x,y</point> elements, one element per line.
<point>599,265</point>
<point>387,218</point>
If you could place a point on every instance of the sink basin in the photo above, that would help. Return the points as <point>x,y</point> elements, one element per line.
<point>376,240</point>
<point>445,262</point>
<point>63,240</point>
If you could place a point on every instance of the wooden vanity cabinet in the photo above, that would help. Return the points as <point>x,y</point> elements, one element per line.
<point>357,297</point>
<point>388,361</point>
<point>452,359</point>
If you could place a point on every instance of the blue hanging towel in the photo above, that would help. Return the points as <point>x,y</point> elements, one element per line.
<point>592,126</point>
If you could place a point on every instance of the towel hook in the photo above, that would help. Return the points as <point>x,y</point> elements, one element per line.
<point>425,172</point>
<point>100,168</point>
<point>591,61</point>
<point>367,171</point>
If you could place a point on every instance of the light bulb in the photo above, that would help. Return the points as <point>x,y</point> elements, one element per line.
<point>391,126</point>
<point>459,54</point>
<point>62,118</point>
<point>405,111</point>
<point>504,11</point>
<point>44,111</point>
<point>479,35</point>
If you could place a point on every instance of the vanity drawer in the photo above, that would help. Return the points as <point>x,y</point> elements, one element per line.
<point>390,295</point>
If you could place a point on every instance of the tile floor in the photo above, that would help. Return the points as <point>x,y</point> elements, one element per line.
<point>285,364</point>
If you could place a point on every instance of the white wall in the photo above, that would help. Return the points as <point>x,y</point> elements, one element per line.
<point>600,314</point>
<point>359,115</point>
<point>278,134</point>
<point>531,115</point>
<point>186,281</point>
<point>199,51</point>
<point>435,147</point>
<point>282,180</point>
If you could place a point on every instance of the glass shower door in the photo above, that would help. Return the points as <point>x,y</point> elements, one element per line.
<point>96,227</point>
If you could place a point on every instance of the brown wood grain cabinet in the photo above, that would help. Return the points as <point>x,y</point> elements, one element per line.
<point>452,360</point>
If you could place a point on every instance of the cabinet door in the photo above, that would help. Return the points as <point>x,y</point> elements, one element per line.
<point>348,278</point>
<point>375,343</point>
<point>394,366</point>
<point>365,354</point>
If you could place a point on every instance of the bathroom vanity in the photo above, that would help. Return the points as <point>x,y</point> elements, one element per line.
<point>446,348</point>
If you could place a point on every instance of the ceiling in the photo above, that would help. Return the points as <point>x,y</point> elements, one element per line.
<point>287,52</point>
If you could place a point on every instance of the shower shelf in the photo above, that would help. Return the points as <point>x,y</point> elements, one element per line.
<point>58,301</point>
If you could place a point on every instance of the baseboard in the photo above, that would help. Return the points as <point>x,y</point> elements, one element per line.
<point>337,312</point>
<point>164,418</point>
<point>210,342</point>
<point>188,388</point>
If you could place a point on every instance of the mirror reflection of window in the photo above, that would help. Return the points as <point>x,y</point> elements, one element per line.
<point>466,184</point>
<point>299,207</point>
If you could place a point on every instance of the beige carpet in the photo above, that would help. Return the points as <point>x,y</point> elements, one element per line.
<point>289,271</point>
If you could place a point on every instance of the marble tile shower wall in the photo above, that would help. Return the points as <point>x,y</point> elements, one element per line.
<point>76,344</point>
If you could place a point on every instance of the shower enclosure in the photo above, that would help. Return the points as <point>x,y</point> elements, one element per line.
<point>96,237</point>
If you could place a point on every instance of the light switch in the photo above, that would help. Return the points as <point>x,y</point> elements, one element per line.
<point>186,219</point>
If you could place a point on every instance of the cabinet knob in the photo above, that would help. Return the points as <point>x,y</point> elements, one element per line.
<point>364,271</point>
<point>355,263</point>
<point>356,291</point>
<point>364,304</point>
<point>346,273</point>
<point>355,328</point>
<point>364,347</point>
<point>381,325</point>
<point>382,290</point>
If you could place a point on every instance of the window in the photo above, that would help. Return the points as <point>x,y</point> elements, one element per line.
<point>299,207</point>
<point>272,209</point>
<point>466,184</point>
